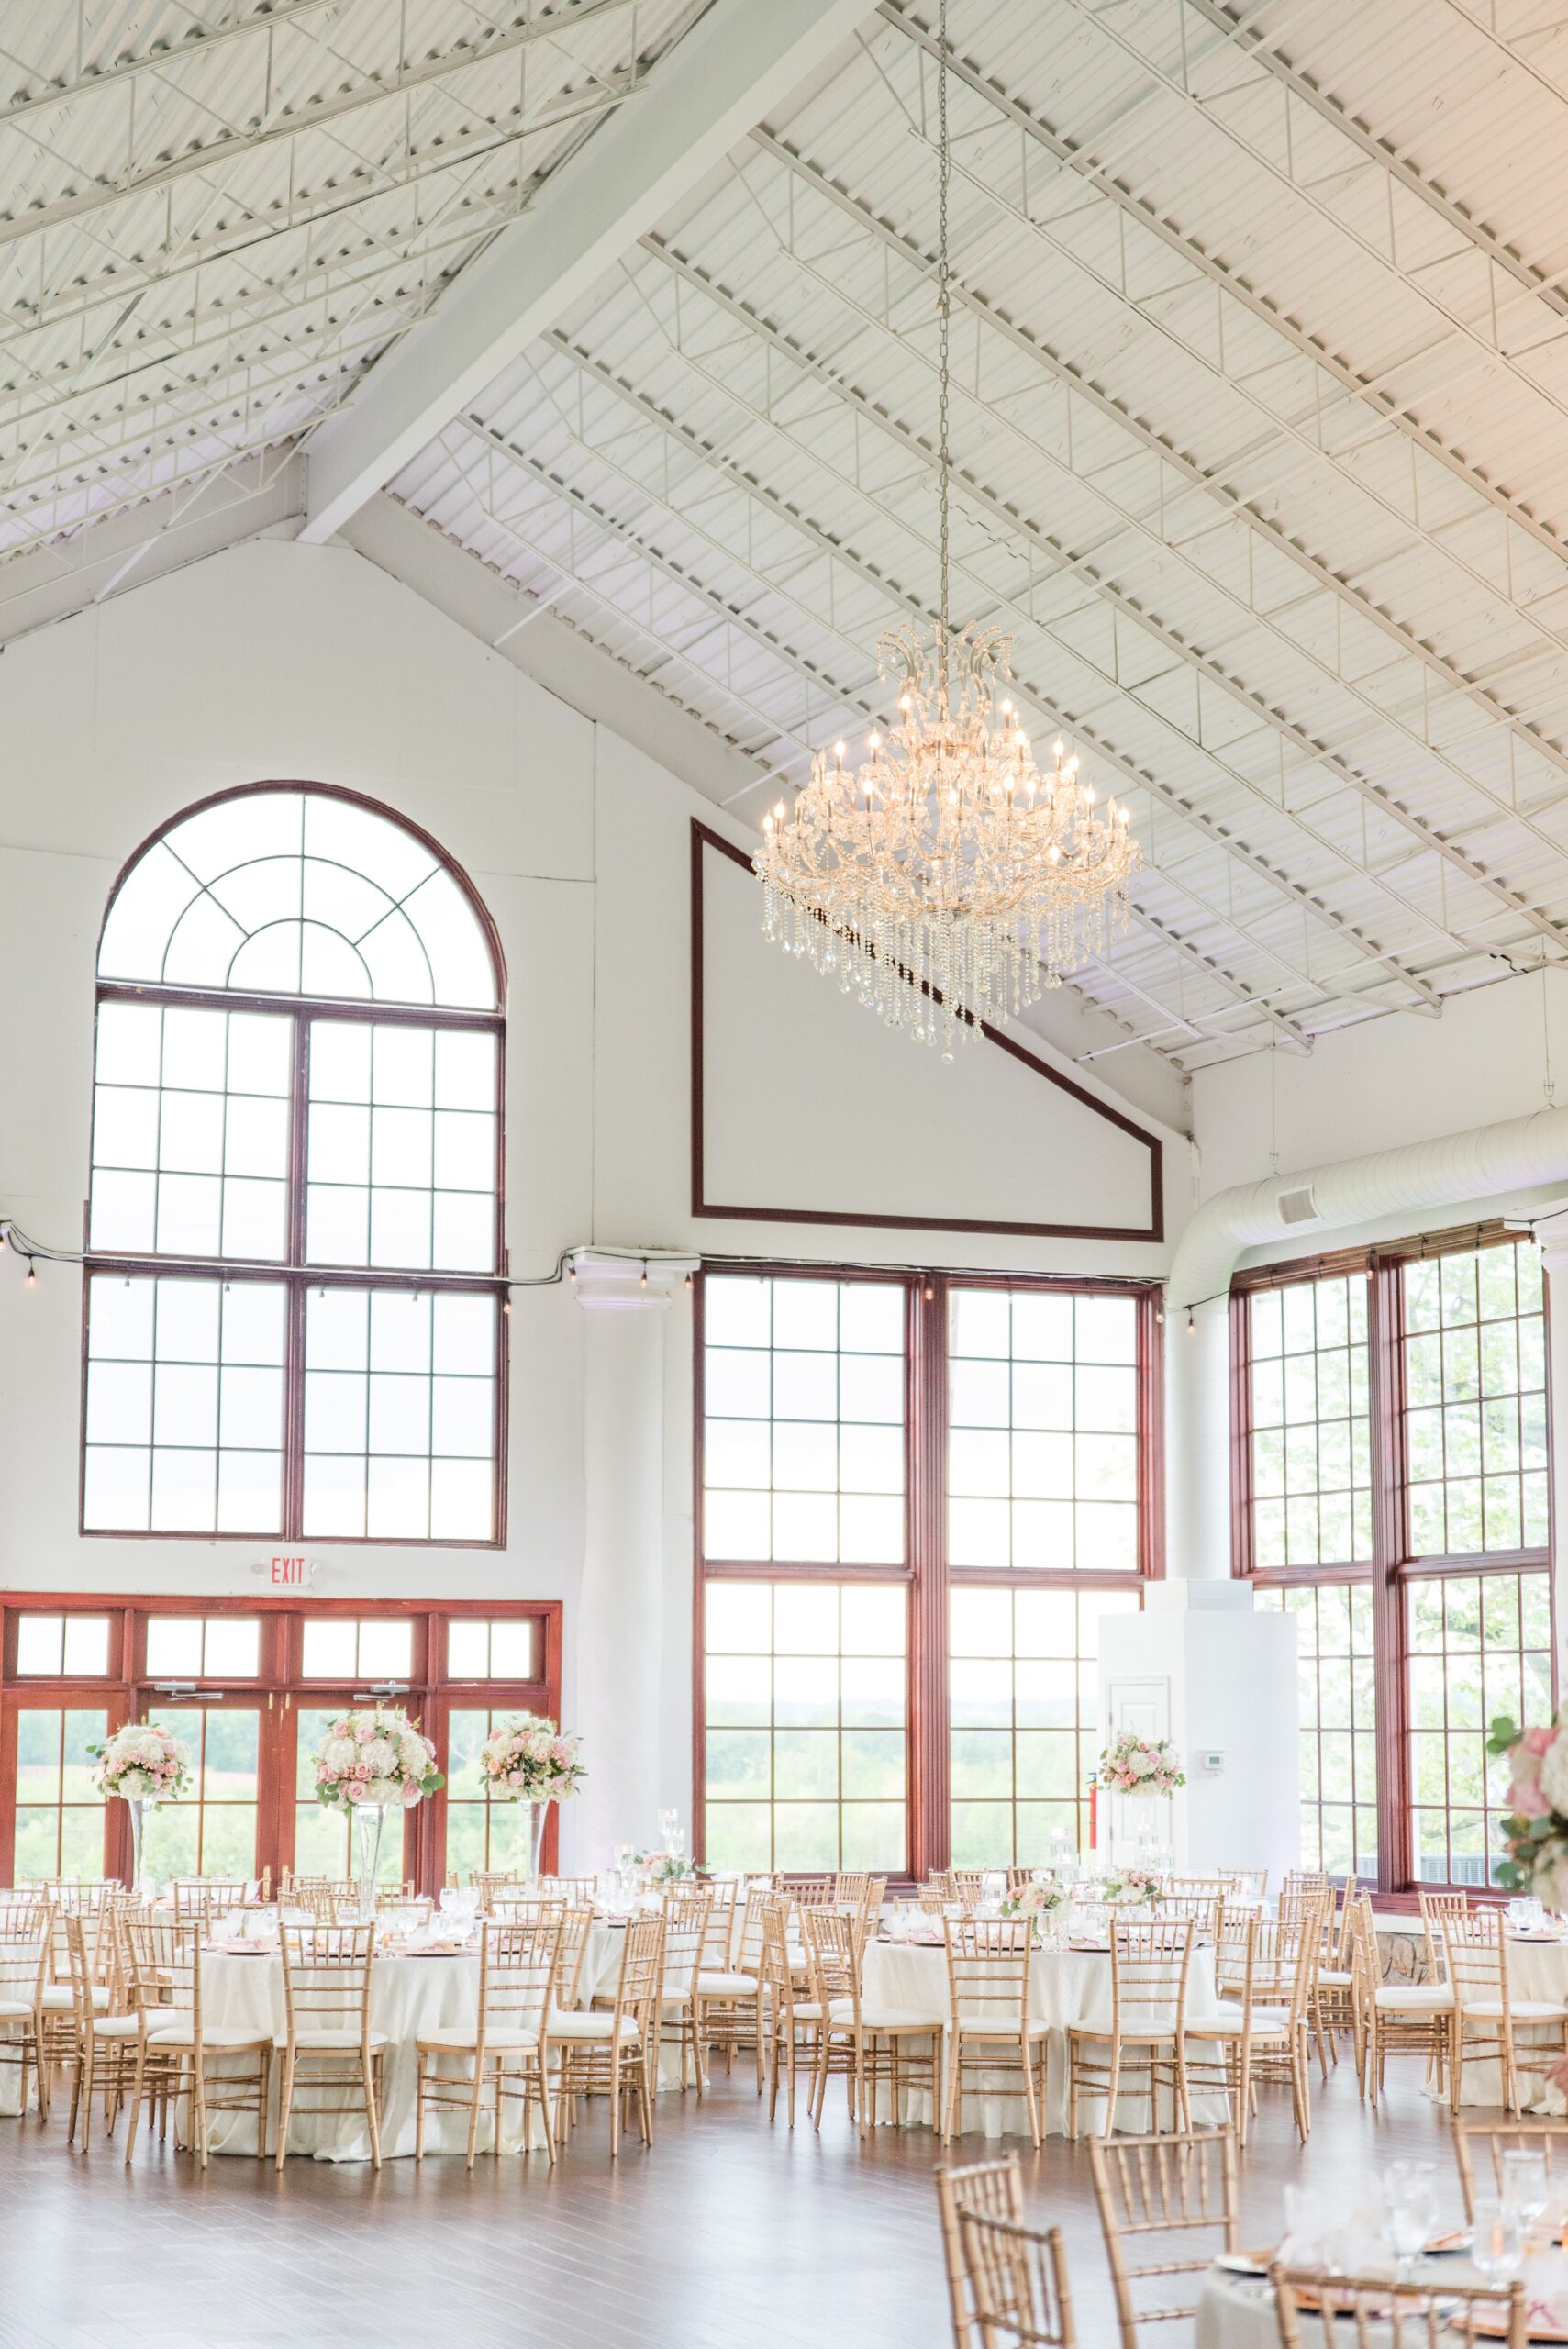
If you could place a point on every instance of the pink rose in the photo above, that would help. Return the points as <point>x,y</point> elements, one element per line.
<point>1539,1741</point>
<point>410,1794</point>
<point>353,1791</point>
<point>1525,1797</point>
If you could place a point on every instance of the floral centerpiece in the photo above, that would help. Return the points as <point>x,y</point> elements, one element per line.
<point>656,1869</point>
<point>1536,1829</point>
<point>1131,1764</point>
<point>1043,1903</point>
<point>370,1763</point>
<point>528,1759</point>
<point>1129,1886</point>
<point>145,1766</point>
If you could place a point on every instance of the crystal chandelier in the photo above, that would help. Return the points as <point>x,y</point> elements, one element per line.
<point>946,880</point>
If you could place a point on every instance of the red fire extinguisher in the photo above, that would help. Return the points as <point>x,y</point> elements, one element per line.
<point>1094,1812</point>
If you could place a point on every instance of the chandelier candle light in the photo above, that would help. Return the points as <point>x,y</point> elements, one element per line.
<point>528,1759</point>
<point>947,880</point>
<point>144,1765</point>
<point>369,1764</point>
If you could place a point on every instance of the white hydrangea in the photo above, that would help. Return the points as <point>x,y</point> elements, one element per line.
<point>1554,1774</point>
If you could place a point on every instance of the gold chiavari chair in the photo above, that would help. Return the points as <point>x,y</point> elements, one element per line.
<point>174,2044</point>
<point>26,1929</point>
<point>931,1898</point>
<point>615,2052</point>
<point>1144,2036</point>
<point>577,1890</point>
<point>1393,2016</point>
<point>1019,2279</point>
<point>794,2022</point>
<point>851,1887</point>
<point>1204,1910</point>
<point>991,2190</point>
<point>1334,1982</point>
<point>686,1909</point>
<point>329,2049</point>
<point>873,2046</point>
<point>103,2045</point>
<point>989,2026</point>
<point>967,1886</point>
<point>1434,1906</point>
<point>1397,2314</point>
<point>731,1990</point>
<point>503,2050</point>
<point>96,1916</point>
<point>516,1907</point>
<point>418,1907</point>
<point>576,1924</point>
<point>1493,2139</point>
<point>1175,2196</point>
<point>1263,2033</point>
<point>489,1881</point>
<point>199,1899</point>
<point>1252,1881</point>
<point>1487,2019</point>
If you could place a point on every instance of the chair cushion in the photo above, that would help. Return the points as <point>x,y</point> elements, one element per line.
<point>1416,1997</point>
<point>60,1999</point>
<point>217,2036</point>
<point>891,2019</point>
<point>596,2025</point>
<point>14,2008</point>
<point>1330,1977</point>
<point>327,2042</point>
<point>1266,2021</point>
<point>461,2041</point>
<point>727,1986</point>
<point>1521,2009</point>
<point>115,2026</point>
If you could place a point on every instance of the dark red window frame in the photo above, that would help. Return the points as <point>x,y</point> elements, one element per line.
<point>294,1275</point>
<point>1392,1570</point>
<point>280,1689</point>
<point>925,1570</point>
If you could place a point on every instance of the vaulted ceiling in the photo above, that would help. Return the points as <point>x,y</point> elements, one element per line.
<point>1261,350</point>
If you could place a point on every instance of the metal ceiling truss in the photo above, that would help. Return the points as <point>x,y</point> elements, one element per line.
<point>1480,17</point>
<point>1489,342</point>
<point>1255,46</point>
<point>1189,469</point>
<point>1075,157</point>
<point>1450,853</point>
<point>836,550</point>
<point>280,123</point>
<point>765,640</point>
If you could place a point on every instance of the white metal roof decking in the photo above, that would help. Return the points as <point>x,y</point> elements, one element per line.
<point>1260,424</point>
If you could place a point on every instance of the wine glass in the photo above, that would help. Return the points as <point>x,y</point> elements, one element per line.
<point>1497,2248</point>
<point>1409,2210</point>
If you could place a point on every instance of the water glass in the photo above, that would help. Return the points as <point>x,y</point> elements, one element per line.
<point>1498,2247</point>
<point>1304,2227</point>
<point>1526,2190</point>
<point>1409,2210</point>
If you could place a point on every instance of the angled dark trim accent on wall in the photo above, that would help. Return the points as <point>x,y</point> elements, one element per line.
<point>703,839</point>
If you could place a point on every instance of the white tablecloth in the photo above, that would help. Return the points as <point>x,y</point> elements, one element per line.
<point>410,1996</point>
<point>1065,1986</point>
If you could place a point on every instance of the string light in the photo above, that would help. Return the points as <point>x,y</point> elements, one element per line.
<point>32,1280</point>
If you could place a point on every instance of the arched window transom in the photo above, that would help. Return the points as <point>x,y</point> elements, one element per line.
<point>294,1275</point>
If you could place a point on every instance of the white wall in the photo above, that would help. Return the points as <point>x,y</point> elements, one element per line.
<point>276,659</point>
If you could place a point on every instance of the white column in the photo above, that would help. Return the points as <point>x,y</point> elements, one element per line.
<point>1554,1264</point>
<point>1197,1440</point>
<point>619,1633</point>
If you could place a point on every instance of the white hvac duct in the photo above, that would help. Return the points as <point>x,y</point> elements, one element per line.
<point>1479,1164</point>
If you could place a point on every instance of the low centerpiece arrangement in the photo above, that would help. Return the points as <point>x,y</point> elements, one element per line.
<point>528,1759</point>
<point>371,1763</point>
<point>1128,1887</point>
<point>1046,1906</point>
<point>144,1765</point>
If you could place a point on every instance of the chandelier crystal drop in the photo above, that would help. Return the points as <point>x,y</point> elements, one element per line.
<point>947,881</point>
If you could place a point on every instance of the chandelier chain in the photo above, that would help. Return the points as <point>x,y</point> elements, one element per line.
<point>944,298</point>
<point>948,877</point>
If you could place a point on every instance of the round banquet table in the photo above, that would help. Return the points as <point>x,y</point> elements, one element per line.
<point>1238,2312</point>
<point>410,1996</point>
<point>1066,1986</point>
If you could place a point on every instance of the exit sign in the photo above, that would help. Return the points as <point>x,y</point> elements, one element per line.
<point>286,1571</point>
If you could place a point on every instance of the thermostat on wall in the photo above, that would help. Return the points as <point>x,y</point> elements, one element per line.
<point>1210,1762</point>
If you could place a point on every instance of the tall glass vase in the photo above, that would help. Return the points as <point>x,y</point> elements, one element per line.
<point>369,1817</point>
<point>139,1805</point>
<point>538,1816</point>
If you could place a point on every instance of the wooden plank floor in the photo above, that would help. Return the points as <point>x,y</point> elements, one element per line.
<point>730,2232</point>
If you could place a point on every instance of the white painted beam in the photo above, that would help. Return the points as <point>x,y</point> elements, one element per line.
<point>737,61</point>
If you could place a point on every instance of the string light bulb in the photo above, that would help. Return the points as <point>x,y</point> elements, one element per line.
<point>32,1280</point>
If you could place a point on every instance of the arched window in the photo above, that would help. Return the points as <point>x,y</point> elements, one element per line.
<point>295,1258</point>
